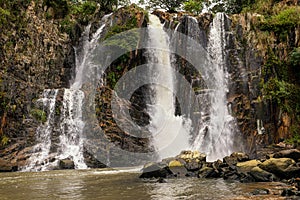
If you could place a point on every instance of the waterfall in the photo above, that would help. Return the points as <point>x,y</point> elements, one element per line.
<point>70,123</point>
<point>43,134</point>
<point>170,133</point>
<point>218,127</point>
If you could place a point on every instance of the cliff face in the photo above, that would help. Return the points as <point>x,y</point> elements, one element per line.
<point>35,55</point>
<point>37,52</point>
<point>266,101</point>
<point>263,90</point>
<point>37,42</point>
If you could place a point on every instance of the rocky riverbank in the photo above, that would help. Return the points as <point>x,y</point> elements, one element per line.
<point>283,165</point>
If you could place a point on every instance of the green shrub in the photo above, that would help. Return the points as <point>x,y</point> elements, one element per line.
<point>294,61</point>
<point>39,115</point>
<point>283,21</point>
<point>285,95</point>
<point>4,140</point>
<point>194,6</point>
<point>86,8</point>
<point>60,7</point>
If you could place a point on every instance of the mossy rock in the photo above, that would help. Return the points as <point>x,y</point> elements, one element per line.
<point>175,163</point>
<point>247,166</point>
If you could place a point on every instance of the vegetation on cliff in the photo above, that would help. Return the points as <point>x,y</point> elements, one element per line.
<point>280,79</point>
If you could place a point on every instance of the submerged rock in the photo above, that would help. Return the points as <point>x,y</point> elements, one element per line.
<point>260,192</point>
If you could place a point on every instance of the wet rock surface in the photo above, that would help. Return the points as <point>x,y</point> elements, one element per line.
<point>237,167</point>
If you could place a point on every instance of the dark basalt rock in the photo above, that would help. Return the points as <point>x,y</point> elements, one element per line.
<point>261,175</point>
<point>7,167</point>
<point>66,164</point>
<point>290,153</point>
<point>260,192</point>
<point>235,167</point>
<point>155,170</point>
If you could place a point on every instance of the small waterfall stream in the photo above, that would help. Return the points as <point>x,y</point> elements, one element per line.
<point>218,127</point>
<point>70,124</point>
<point>170,133</point>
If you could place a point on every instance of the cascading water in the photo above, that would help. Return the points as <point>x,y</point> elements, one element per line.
<point>43,134</point>
<point>170,133</point>
<point>218,127</point>
<point>71,123</point>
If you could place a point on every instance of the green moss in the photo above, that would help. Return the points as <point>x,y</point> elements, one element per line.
<point>39,115</point>
<point>4,140</point>
<point>175,163</point>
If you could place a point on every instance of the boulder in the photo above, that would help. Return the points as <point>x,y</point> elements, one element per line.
<point>290,153</point>
<point>175,163</point>
<point>192,155</point>
<point>66,164</point>
<point>193,166</point>
<point>5,166</point>
<point>91,161</point>
<point>177,168</point>
<point>261,175</point>
<point>262,191</point>
<point>155,170</point>
<point>208,172</point>
<point>247,166</point>
<point>235,157</point>
<point>279,166</point>
<point>290,192</point>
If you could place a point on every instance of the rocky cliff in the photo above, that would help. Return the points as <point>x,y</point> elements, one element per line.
<point>262,44</point>
<point>37,43</point>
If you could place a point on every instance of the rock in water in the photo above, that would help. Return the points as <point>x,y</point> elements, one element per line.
<point>7,167</point>
<point>177,168</point>
<point>261,175</point>
<point>206,172</point>
<point>247,166</point>
<point>66,164</point>
<point>282,167</point>
<point>235,157</point>
<point>154,170</point>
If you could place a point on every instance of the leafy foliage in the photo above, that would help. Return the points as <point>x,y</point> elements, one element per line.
<point>193,6</point>
<point>236,6</point>
<point>170,6</point>
<point>39,115</point>
<point>4,140</point>
<point>282,22</point>
<point>60,7</point>
<point>285,95</point>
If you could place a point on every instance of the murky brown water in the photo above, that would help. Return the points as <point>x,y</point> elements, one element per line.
<point>122,184</point>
